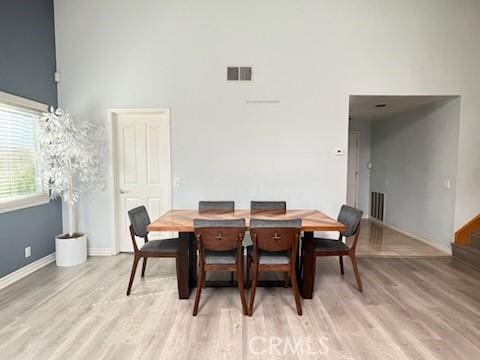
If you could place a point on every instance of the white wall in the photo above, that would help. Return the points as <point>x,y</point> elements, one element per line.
<point>310,55</point>
<point>363,129</point>
<point>413,156</point>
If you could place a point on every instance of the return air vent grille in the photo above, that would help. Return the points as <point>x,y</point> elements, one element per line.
<point>232,73</point>
<point>377,205</point>
<point>242,73</point>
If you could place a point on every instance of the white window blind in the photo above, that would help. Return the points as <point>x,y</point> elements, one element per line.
<point>18,152</point>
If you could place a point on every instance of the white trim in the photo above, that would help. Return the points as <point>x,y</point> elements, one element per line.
<point>117,111</point>
<point>26,270</point>
<point>357,163</point>
<point>24,202</point>
<point>444,248</point>
<point>10,99</point>
<point>101,252</point>
<point>112,118</point>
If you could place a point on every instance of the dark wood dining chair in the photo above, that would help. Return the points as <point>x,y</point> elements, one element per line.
<point>351,218</point>
<point>139,220</point>
<point>264,207</point>
<point>220,249</point>
<point>218,207</point>
<point>273,207</point>
<point>275,246</point>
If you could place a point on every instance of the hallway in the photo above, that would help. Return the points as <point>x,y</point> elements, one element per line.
<point>380,241</point>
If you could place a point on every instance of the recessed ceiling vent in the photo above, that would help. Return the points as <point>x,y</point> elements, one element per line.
<point>242,73</point>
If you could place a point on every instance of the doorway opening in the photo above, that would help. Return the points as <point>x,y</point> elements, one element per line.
<point>402,168</point>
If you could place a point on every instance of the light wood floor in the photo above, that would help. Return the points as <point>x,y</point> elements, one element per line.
<point>410,309</point>
<point>377,240</point>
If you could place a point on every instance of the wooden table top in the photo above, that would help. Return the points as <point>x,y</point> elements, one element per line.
<point>182,220</point>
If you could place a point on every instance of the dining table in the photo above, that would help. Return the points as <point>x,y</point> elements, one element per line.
<point>181,221</point>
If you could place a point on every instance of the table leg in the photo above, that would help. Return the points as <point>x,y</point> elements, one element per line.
<point>185,275</point>
<point>307,277</point>
<point>192,260</point>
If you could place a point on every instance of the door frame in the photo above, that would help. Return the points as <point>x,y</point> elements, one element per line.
<point>113,115</point>
<point>357,163</point>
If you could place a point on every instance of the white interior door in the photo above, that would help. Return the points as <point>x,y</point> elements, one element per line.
<point>143,168</point>
<point>352,180</point>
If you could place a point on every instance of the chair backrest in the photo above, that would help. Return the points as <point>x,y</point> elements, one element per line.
<point>222,207</point>
<point>350,217</point>
<point>219,235</point>
<point>275,235</point>
<point>276,207</point>
<point>139,221</point>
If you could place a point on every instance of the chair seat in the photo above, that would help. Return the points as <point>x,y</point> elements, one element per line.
<point>270,257</point>
<point>162,246</point>
<point>329,245</point>
<point>220,257</point>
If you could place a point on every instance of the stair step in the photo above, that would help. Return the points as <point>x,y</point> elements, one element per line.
<point>467,254</point>
<point>475,239</point>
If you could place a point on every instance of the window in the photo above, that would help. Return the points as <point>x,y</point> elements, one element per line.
<point>20,185</point>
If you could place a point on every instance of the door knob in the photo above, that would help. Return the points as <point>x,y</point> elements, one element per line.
<point>123,191</point>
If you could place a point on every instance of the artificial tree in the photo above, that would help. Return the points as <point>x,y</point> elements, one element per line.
<point>70,159</point>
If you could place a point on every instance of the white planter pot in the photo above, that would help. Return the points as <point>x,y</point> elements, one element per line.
<point>70,251</point>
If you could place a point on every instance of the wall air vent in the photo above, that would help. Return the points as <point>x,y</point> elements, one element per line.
<point>232,73</point>
<point>377,206</point>
<point>246,73</point>
<point>242,73</point>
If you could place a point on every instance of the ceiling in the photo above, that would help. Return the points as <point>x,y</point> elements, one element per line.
<point>363,107</point>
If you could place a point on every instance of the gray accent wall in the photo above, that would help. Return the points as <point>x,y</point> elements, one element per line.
<point>413,156</point>
<point>27,64</point>
<point>27,43</point>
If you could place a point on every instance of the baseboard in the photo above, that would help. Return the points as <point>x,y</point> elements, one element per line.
<point>100,252</point>
<point>378,222</point>
<point>466,254</point>
<point>444,248</point>
<point>26,270</point>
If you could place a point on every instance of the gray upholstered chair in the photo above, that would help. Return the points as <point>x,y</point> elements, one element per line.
<point>139,220</point>
<point>351,218</point>
<point>277,207</point>
<point>216,206</point>
<point>220,249</point>
<point>268,207</point>
<point>275,246</point>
